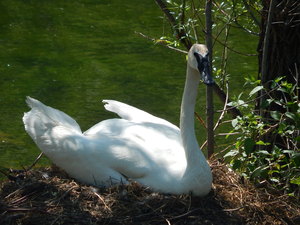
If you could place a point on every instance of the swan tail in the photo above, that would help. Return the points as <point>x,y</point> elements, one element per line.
<point>42,118</point>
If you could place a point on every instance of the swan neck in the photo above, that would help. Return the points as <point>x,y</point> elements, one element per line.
<point>189,98</point>
<point>187,129</point>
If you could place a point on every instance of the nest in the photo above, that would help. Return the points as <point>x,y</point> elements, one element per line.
<point>48,196</point>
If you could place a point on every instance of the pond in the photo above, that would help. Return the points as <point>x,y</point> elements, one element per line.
<point>72,54</point>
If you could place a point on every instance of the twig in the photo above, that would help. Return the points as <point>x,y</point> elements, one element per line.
<point>23,209</point>
<point>9,195</point>
<point>223,111</point>
<point>180,32</point>
<point>160,43</point>
<point>102,200</point>
<point>251,13</point>
<point>184,214</point>
<point>56,219</point>
<point>252,100</point>
<point>182,12</point>
<point>268,131</point>
<point>203,145</point>
<point>35,161</point>
<point>10,177</point>
<point>231,49</point>
<point>215,37</point>
<point>64,194</point>
<point>225,149</point>
<point>234,19</point>
<point>222,96</point>
<point>224,60</point>
<point>200,120</point>
<point>23,198</point>
<point>228,134</point>
<point>231,210</point>
<point>168,222</point>
<point>200,19</point>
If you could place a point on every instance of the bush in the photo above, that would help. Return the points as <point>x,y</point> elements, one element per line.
<point>267,148</point>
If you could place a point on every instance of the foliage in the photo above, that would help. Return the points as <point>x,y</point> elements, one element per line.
<point>189,17</point>
<point>188,26</point>
<point>261,158</point>
<point>267,147</point>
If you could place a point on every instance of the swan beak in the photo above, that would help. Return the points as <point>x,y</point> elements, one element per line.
<point>204,68</point>
<point>206,75</point>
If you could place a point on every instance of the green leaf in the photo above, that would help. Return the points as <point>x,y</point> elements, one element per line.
<point>265,103</point>
<point>282,90</point>
<point>278,102</point>
<point>263,152</point>
<point>259,171</point>
<point>275,180</point>
<point>241,103</point>
<point>295,181</point>
<point>262,143</point>
<point>234,122</point>
<point>277,165</point>
<point>249,145</point>
<point>236,164</point>
<point>296,158</point>
<point>275,115</point>
<point>231,153</point>
<point>271,172</point>
<point>278,79</point>
<point>291,115</point>
<point>255,90</point>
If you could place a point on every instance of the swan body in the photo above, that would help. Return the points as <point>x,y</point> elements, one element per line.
<point>138,145</point>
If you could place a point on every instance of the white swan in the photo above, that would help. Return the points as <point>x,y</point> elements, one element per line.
<point>139,146</point>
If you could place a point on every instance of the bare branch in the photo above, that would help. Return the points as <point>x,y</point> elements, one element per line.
<point>161,43</point>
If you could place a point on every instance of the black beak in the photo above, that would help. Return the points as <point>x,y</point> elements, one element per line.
<point>204,68</point>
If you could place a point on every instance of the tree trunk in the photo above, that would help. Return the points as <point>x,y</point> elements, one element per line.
<point>283,47</point>
<point>279,52</point>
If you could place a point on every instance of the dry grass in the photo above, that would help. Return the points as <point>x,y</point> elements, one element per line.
<point>48,196</point>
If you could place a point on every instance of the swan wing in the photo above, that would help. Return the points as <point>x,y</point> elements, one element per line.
<point>110,151</point>
<point>106,159</point>
<point>97,161</point>
<point>94,160</point>
<point>133,123</point>
<point>131,113</point>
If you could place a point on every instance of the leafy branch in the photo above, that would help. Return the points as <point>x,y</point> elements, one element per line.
<point>182,37</point>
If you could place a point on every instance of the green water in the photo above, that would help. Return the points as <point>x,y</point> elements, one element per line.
<point>72,54</point>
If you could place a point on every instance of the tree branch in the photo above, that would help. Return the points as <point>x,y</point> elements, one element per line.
<point>181,35</point>
<point>209,88</point>
<point>187,43</point>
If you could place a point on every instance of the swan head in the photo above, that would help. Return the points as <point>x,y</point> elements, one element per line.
<point>198,59</point>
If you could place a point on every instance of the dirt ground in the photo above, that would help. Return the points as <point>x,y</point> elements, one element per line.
<point>48,196</point>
